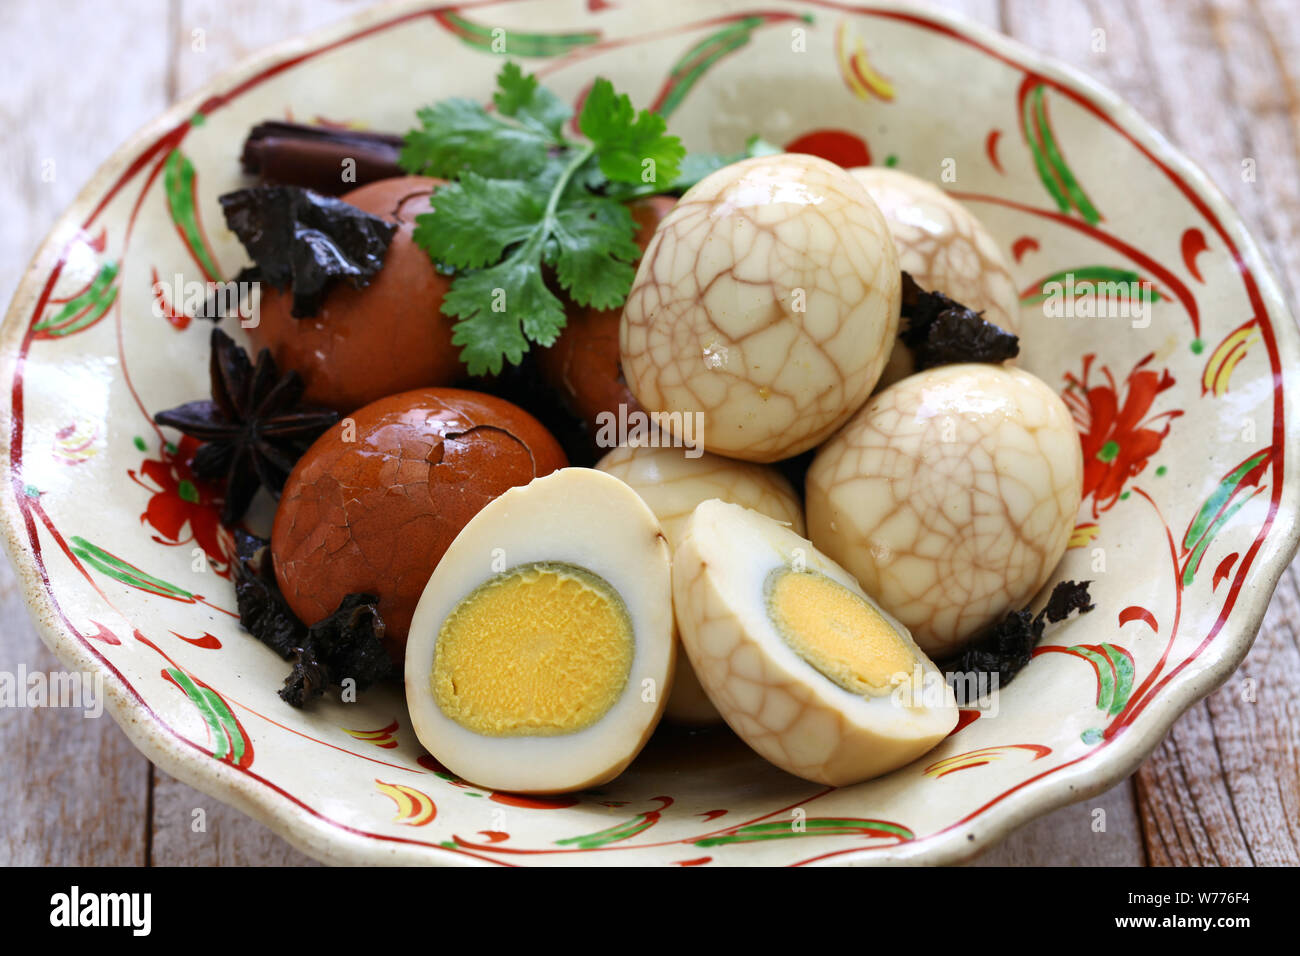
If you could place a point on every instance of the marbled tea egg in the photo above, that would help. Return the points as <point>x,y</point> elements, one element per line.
<point>944,247</point>
<point>767,302</point>
<point>950,496</point>
<point>804,666</point>
<point>673,481</point>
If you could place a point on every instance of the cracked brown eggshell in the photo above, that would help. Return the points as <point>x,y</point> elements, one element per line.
<point>950,497</point>
<point>945,248</point>
<point>366,343</point>
<point>672,483</point>
<point>768,302</point>
<point>374,514</point>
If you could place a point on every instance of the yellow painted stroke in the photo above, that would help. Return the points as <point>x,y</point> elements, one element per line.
<point>855,67</point>
<point>1218,370</point>
<point>1082,534</point>
<point>414,809</point>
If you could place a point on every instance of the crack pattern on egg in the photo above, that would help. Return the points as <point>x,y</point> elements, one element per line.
<point>802,664</point>
<point>768,302</point>
<point>673,483</point>
<point>950,496</point>
<point>945,248</point>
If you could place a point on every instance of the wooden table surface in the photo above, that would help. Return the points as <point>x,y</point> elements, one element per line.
<point>1221,78</point>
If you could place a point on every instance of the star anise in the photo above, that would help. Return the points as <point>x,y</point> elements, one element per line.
<point>253,429</point>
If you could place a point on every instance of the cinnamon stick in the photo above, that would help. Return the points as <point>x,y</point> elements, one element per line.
<point>296,154</point>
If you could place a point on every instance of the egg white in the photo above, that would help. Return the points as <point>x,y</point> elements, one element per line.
<point>576,516</point>
<point>781,705</point>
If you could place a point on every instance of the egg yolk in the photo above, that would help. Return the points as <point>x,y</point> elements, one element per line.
<point>539,650</point>
<point>836,632</point>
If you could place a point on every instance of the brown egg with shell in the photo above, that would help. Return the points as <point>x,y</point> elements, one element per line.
<point>386,337</point>
<point>376,500</point>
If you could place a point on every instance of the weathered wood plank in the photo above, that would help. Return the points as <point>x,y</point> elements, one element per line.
<point>193,829</point>
<point>1104,831</point>
<point>73,791</point>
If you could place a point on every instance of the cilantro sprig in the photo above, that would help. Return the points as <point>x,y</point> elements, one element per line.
<point>527,200</point>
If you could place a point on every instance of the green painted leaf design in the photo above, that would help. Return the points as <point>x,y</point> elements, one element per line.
<point>704,55</point>
<point>619,831</point>
<point>229,741</point>
<point>816,826</point>
<point>182,204</point>
<point>84,310</point>
<point>1092,274</point>
<point>1113,667</point>
<point>697,61</point>
<point>1114,675</point>
<point>1218,510</point>
<point>125,572</point>
<point>1055,173</point>
<point>511,42</point>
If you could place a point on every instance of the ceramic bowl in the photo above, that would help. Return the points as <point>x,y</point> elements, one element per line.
<point>1183,404</point>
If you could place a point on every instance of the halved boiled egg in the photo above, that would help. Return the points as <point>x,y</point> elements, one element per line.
<point>672,482</point>
<point>541,653</point>
<point>801,663</point>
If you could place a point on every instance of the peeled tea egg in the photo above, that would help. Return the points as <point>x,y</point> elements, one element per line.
<point>944,247</point>
<point>950,496</point>
<point>803,665</point>
<point>541,653</point>
<point>767,302</point>
<point>672,483</point>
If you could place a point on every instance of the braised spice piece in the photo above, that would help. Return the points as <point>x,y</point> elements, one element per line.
<point>253,429</point>
<point>295,154</point>
<point>1009,645</point>
<point>214,307</point>
<point>347,644</point>
<point>263,612</point>
<point>304,241</point>
<point>940,331</point>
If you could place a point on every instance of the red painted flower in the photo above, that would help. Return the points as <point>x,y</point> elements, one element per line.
<point>1118,438</point>
<point>181,502</point>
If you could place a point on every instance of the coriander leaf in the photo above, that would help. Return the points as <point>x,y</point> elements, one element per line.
<point>595,243</point>
<point>757,146</point>
<point>698,165</point>
<point>459,134</point>
<point>524,99</point>
<point>498,306</point>
<point>527,197</point>
<point>454,232</point>
<point>625,140</point>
